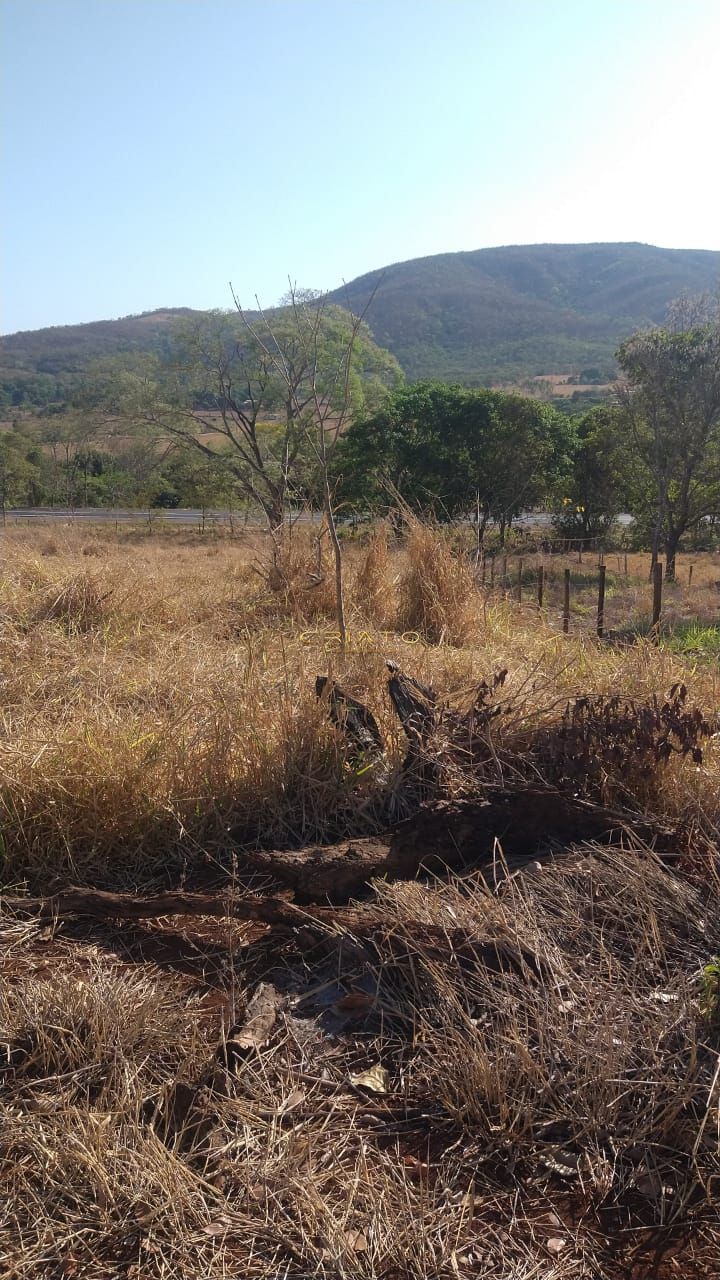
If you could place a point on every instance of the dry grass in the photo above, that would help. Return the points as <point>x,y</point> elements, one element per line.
<point>373,587</point>
<point>437,590</point>
<point>81,604</point>
<point>553,1084</point>
<point>153,705</point>
<point>526,1122</point>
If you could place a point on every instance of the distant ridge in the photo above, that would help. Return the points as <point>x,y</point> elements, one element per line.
<point>489,315</point>
<point>525,310</point>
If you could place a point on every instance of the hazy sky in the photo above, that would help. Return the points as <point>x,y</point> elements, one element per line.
<point>155,149</point>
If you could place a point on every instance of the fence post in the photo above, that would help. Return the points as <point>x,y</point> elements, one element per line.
<point>519,580</point>
<point>690,576</point>
<point>601,602</point>
<point>504,573</point>
<point>566,603</point>
<point>657,596</point>
<point>626,571</point>
<point>541,584</point>
<point>492,571</point>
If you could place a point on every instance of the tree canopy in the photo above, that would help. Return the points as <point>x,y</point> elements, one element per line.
<point>598,485</point>
<point>454,451</point>
<point>671,398</point>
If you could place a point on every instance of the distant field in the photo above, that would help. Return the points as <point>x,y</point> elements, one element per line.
<point>562,386</point>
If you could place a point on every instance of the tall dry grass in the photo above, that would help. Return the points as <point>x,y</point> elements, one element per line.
<point>437,590</point>
<point>374,583</point>
<point>160,706</point>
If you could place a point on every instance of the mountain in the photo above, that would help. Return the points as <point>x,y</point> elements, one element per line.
<point>38,366</point>
<point>524,310</point>
<point>490,315</point>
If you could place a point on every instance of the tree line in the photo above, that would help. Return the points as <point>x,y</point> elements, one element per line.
<point>301,406</point>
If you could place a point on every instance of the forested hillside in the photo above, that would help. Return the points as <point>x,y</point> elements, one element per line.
<point>517,312</point>
<point>488,316</point>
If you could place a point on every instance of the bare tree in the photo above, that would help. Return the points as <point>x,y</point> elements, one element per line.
<point>259,400</point>
<point>319,380</point>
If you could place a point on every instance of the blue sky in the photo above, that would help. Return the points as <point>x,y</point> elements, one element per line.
<point>153,150</point>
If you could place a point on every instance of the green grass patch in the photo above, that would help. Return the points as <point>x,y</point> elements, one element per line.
<point>695,639</point>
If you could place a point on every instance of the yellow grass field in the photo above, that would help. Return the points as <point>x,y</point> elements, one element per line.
<point>552,1114</point>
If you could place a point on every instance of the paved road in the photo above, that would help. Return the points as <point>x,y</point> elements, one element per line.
<point>104,515</point>
<point>184,515</point>
<point>175,515</point>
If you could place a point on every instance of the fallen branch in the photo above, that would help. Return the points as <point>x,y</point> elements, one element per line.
<point>101,904</point>
<point>365,924</point>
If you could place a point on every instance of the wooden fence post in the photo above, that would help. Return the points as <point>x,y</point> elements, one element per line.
<point>519,581</point>
<point>690,576</point>
<point>540,584</point>
<point>657,596</point>
<point>566,603</point>
<point>601,602</point>
<point>626,571</point>
<point>504,573</point>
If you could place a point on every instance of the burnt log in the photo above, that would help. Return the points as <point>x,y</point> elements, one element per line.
<point>451,835</point>
<point>352,718</point>
<point>454,835</point>
<point>415,705</point>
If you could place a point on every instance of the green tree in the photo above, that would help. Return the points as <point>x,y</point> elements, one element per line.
<point>671,397</point>
<point>598,485</point>
<point>409,446</point>
<point>525,457</point>
<point>186,479</point>
<point>16,473</point>
<point>69,436</point>
<point>457,452</point>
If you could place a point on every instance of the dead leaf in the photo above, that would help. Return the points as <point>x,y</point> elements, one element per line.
<point>294,1099</point>
<point>218,1228</point>
<point>357,1240</point>
<point>376,1079</point>
<point>556,1244</point>
<point>356,1002</point>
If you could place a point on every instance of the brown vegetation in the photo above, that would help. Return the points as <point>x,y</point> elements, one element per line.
<point>509,1068</point>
